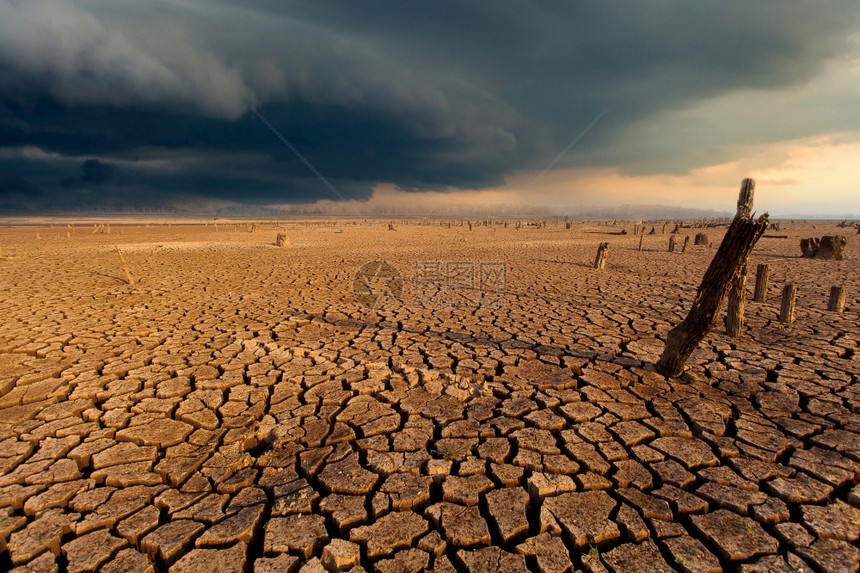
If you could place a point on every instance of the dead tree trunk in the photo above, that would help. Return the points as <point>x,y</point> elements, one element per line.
<point>600,259</point>
<point>786,309</point>
<point>737,304</point>
<point>761,273</point>
<point>672,244</point>
<point>837,299</point>
<point>726,266</point>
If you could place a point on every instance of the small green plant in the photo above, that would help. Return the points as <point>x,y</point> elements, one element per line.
<point>593,551</point>
<point>748,527</point>
<point>678,559</point>
<point>452,450</point>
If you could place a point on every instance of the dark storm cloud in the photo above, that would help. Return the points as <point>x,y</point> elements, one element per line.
<point>93,172</point>
<point>422,94</point>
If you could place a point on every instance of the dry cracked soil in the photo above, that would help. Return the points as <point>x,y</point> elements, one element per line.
<point>240,409</point>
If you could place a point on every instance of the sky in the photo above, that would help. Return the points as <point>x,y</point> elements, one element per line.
<point>229,107</point>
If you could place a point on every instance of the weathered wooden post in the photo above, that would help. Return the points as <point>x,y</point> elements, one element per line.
<point>600,259</point>
<point>761,272</point>
<point>702,239</point>
<point>727,264</point>
<point>737,304</point>
<point>641,237</point>
<point>686,243</point>
<point>786,309</point>
<point>128,278</point>
<point>672,244</point>
<point>837,299</point>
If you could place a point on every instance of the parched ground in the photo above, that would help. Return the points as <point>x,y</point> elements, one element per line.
<point>239,410</point>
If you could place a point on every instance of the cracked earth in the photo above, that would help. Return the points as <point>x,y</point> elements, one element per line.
<point>238,410</point>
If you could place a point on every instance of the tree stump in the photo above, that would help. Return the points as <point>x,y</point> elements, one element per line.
<point>828,247</point>
<point>727,264</point>
<point>686,243</point>
<point>837,299</point>
<point>282,241</point>
<point>737,304</point>
<point>761,273</point>
<point>786,309</point>
<point>600,259</point>
<point>653,231</point>
<point>672,244</point>
<point>831,247</point>
<point>702,239</point>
